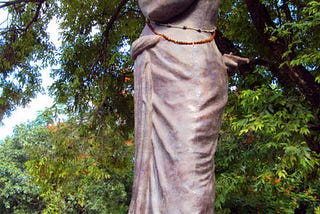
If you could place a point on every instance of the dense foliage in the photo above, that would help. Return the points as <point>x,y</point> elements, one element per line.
<point>268,158</point>
<point>18,194</point>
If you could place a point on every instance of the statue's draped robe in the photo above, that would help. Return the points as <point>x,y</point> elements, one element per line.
<point>180,94</point>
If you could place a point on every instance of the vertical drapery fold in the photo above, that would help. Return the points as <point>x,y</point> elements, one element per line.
<point>180,94</point>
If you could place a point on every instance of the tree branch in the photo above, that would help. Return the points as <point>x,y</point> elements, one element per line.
<point>36,16</point>
<point>105,39</point>
<point>10,3</point>
<point>286,10</point>
<point>113,19</point>
<point>287,75</point>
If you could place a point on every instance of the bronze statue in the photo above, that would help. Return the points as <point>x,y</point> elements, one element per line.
<point>180,94</point>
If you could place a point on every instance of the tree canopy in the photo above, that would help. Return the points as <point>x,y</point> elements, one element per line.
<point>268,156</point>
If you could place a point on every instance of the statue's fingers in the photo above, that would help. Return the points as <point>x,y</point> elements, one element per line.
<point>230,63</point>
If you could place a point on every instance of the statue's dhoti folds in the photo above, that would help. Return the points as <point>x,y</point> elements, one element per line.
<point>180,94</point>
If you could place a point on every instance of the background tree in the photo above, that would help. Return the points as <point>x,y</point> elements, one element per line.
<point>24,50</point>
<point>76,173</point>
<point>284,41</point>
<point>269,151</point>
<point>18,194</point>
<point>268,155</point>
<point>61,168</point>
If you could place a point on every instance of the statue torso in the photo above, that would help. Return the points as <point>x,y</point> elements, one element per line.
<point>199,14</point>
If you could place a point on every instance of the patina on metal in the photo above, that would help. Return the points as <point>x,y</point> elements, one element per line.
<point>180,95</point>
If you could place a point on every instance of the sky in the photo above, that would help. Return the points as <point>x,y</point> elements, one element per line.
<point>29,113</point>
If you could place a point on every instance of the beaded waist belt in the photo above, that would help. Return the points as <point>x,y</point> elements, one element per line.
<point>210,39</point>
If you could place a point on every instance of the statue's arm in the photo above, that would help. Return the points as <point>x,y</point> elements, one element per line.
<point>163,10</point>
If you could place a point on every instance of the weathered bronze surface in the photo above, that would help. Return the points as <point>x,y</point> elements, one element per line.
<point>180,94</point>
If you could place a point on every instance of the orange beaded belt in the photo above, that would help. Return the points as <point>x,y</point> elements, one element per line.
<point>210,39</point>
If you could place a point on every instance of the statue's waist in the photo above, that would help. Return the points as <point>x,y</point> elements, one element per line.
<point>181,33</point>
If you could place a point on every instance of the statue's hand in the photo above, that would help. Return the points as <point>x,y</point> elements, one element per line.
<point>233,61</point>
